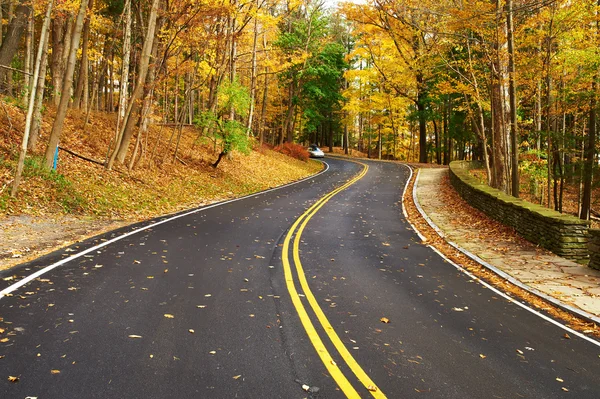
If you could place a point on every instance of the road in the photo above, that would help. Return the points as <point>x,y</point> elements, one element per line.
<point>319,289</point>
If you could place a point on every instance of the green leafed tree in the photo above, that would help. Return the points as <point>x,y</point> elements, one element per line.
<point>228,134</point>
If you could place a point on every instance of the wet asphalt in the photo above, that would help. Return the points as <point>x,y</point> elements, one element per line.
<point>197,307</point>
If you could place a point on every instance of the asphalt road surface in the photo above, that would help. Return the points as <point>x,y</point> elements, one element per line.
<point>320,289</point>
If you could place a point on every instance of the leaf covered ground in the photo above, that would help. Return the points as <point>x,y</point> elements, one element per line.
<point>82,198</point>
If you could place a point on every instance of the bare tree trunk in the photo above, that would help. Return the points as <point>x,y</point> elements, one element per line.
<point>549,102</point>
<point>421,95</point>
<point>590,146</point>
<point>498,122</point>
<point>124,79</point>
<point>263,108</point>
<point>32,98</point>
<point>253,79</point>
<point>133,107</point>
<point>514,133</point>
<point>147,107</point>
<point>61,112</point>
<point>58,47</point>
<point>39,97</point>
<point>10,45</point>
<point>1,19</point>
<point>29,60</point>
<point>84,63</point>
<point>9,76</point>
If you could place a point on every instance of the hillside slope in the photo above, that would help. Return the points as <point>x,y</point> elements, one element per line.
<point>83,198</point>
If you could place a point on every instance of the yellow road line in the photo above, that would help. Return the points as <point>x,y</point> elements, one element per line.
<point>343,383</point>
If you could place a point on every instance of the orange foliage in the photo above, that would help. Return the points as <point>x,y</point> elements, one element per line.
<point>293,150</point>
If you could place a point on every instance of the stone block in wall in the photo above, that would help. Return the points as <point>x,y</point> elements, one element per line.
<point>594,248</point>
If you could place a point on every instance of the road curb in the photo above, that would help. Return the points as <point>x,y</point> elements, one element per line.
<point>556,302</point>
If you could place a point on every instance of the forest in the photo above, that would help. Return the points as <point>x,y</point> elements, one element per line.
<point>511,84</point>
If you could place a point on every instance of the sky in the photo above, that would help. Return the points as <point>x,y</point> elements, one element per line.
<point>333,3</point>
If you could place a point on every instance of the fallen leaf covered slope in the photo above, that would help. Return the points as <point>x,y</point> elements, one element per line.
<point>160,182</point>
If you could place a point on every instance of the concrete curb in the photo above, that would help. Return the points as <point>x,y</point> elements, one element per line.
<point>556,302</point>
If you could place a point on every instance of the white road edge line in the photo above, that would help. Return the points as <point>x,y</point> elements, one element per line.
<point>46,269</point>
<point>460,268</point>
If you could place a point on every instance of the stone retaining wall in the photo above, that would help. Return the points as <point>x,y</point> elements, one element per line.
<point>565,235</point>
<point>594,247</point>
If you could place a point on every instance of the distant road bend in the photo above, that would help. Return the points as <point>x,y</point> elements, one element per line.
<point>319,289</point>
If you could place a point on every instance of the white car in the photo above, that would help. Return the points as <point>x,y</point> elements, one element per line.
<point>315,152</point>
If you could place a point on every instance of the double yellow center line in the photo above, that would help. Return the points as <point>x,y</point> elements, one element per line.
<point>315,339</point>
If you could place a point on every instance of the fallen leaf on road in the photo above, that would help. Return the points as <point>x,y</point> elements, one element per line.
<point>135,336</point>
<point>520,352</point>
<point>559,379</point>
<point>207,295</point>
<point>201,306</point>
<point>13,379</point>
<point>213,352</point>
<point>235,377</point>
<point>55,371</point>
<point>384,320</point>
<point>4,340</point>
<point>150,277</point>
<point>458,309</point>
<point>482,356</point>
<point>372,388</point>
<point>169,316</point>
<point>566,336</point>
<point>137,262</point>
<point>565,389</point>
<point>166,271</point>
<point>191,331</point>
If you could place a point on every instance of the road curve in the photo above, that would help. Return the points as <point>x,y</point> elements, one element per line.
<point>220,303</point>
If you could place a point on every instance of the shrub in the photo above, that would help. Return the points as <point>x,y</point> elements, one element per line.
<point>293,150</point>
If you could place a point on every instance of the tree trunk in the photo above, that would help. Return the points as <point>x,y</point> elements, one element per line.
<point>590,156</point>
<point>32,98</point>
<point>124,79</point>
<point>84,63</point>
<point>514,133</point>
<point>421,95</point>
<point>29,60</point>
<point>498,111</point>
<point>133,107</point>
<point>10,44</point>
<point>61,112</point>
<point>438,150</point>
<point>263,110</point>
<point>253,80</point>
<point>289,133</point>
<point>39,97</point>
